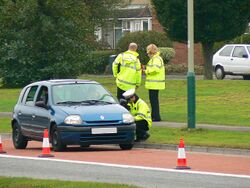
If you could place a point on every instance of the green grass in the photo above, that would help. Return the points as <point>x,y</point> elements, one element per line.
<point>5,125</point>
<point>8,98</point>
<point>198,137</point>
<point>35,183</point>
<point>224,102</point>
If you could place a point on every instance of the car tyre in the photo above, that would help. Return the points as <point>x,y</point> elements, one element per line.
<point>19,141</point>
<point>219,73</point>
<point>246,77</point>
<point>56,141</point>
<point>126,146</point>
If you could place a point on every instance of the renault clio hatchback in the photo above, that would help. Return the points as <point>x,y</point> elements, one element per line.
<point>232,59</point>
<point>75,112</point>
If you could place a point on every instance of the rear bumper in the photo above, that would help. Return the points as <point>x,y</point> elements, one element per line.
<point>71,135</point>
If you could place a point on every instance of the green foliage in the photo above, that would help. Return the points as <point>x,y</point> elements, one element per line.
<point>96,62</point>
<point>243,39</point>
<point>183,68</point>
<point>167,54</point>
<point>43,39</point>
<point>213,21</point>
<point>143,39</point>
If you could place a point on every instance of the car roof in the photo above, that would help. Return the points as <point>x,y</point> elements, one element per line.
<point>63,81</point>
<point>237,45</point>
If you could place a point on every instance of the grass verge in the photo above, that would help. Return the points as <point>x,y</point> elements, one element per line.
<point>197,137</point>
<point>200,137</point>
<point>35,183</point>
<point>222,102</point>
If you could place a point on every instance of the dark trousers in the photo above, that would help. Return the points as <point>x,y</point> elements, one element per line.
<point>119,93</point>
<point>141,128</point>
<point>154,101</point>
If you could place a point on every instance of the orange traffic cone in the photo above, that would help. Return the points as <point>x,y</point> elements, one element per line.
<point>46,147</point>
<point>1,146</point>
<point>181,161</point>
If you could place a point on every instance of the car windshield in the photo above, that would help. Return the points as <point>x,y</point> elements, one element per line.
<point>248,48</point>
<point>81,94</point>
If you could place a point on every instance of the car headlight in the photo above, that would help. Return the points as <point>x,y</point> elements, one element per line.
<point>127,118</point>
<point>73,120</point>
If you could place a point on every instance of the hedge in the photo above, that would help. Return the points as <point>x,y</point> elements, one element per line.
<point>143,39</point>
<point>96,62</point>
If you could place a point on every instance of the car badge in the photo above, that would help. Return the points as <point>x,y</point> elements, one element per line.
<point>102,117</point>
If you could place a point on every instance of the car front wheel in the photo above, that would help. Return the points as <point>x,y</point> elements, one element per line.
<point>56,141</point>
<point>219,73</point>
<point>19,141</point>
<point>126,146</point>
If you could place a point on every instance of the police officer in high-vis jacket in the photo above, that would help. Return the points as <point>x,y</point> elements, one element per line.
<point>141,112</point>
<point>155,79</point>
<point>127,70</point>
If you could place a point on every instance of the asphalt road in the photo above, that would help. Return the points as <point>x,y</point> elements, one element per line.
<point>142,177</point>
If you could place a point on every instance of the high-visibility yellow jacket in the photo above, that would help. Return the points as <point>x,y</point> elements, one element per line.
<point>129,75</point>
<point>141,111</point>
<point>155,73</point>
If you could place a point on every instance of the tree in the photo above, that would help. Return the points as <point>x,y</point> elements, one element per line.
<point>45,39</point>
<point>214,21</point>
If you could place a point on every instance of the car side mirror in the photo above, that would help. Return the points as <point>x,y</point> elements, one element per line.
<point>41,104</point>
<point>245,56</point>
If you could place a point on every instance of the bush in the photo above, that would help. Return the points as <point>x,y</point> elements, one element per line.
<point>96,62</point>
<point>167,54</point>
<point>143,39</point>
<point>183,68</point>
<point>243,39</point>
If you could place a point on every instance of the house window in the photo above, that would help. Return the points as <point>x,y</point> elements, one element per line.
<point>117,32</point>
<point>145,25</point>
<point>137,25</point>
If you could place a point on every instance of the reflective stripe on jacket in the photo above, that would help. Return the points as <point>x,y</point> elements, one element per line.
<point>155,73</point>
<point>129,75</point>
<point>141,111</point>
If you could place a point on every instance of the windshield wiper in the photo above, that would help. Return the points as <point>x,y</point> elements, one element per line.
<point>94,101</point>
<point>68,102</point>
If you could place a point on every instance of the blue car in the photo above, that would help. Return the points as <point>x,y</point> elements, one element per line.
<point>75,112</point>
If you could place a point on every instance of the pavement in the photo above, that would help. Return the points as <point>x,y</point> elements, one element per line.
<point>175,147</point>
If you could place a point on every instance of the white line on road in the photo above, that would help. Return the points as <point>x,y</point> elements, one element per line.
<point>127,166</point>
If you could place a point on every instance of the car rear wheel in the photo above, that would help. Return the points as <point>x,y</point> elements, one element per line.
<point>219,73</point>
<point>246,77</point>
<point>126,146</point>
<point>19,141</point>
<point>56,141</point>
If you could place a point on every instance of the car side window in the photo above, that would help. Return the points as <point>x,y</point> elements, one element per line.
<point>226,51</point>
<point>30,97</point>
<point>239,51</point>
<point>43,95</point>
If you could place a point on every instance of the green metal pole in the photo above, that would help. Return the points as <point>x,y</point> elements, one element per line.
<point>191,74</point>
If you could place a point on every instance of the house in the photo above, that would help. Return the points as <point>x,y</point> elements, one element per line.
<point>139,15</point>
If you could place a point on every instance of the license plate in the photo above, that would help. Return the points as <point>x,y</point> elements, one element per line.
<point>110,130</point>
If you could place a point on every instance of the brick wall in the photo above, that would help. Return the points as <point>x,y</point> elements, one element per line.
<point>181,54</point>
<point>181,51</point>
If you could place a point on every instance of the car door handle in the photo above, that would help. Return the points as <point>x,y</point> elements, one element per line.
<point>232,59</point>
<point>19,113</point>
<point>33,116</point>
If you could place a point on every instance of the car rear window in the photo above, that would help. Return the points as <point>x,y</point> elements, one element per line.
<point>248,48</point>
<point>226,51</point>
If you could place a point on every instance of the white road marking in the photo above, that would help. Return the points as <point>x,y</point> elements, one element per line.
<point>128,166</point>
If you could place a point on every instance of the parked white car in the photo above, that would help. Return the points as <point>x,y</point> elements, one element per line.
<point>232,59</point>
